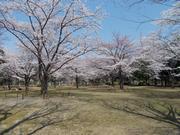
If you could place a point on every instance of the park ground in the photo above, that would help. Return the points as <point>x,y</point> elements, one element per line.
<point>92,111</point>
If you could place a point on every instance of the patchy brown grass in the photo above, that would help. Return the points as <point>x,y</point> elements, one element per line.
<point>90,111</point>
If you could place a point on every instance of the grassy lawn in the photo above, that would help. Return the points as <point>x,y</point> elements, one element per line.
<point>92,111</point>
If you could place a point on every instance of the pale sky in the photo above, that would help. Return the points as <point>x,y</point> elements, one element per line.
<point>120,18</point>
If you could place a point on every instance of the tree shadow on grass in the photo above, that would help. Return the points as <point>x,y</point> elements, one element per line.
<point>160,112</point>
<point>50,121</point>
<point>5,112</point>
<point>46,116</point>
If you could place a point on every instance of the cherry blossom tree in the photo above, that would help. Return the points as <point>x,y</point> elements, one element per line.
<point>7,75</point>
<point>164,45</point>
<point>22,67</point>
<point>170,16</point>
<point>2,55</point>
<point>152,52</point>
<point>98,67</point>
<point>170,35</point>
<point>2,50</point>
<point>170,21</point>
<point>157,53</point>
<point>118,56</point>
<point>54,31</point>
<point>76,71</point>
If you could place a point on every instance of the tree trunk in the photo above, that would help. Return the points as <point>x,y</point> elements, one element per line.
<point>147,84</point>
<point>77,82</point>
<point>155,82</point>
<point>121,80</point>
<point>77,78</point>
<point>9,86</point>
<point>121,84</point>
<point>165,83</point>
<point>40,74</point>
<point>27,81</point>
<point>44,85</point>
<point>9,83</point>
<point>172,81</point>
<point>162,84</point>
<point>55,83</point>
<point>112,81</point>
